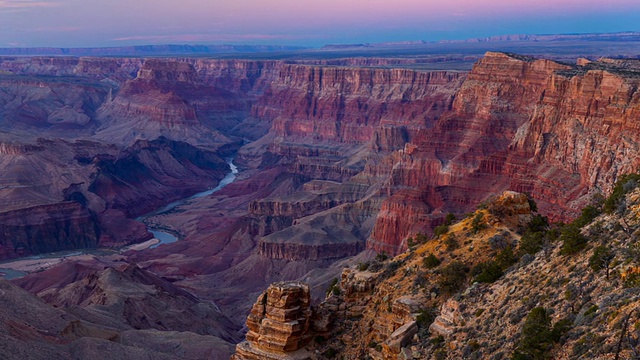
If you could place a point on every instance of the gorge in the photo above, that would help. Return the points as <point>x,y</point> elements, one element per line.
<point>338,159</point>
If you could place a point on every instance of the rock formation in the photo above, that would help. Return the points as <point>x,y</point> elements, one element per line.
<point>279,324</point>
<point>517,123</point>
<point>336,156</point>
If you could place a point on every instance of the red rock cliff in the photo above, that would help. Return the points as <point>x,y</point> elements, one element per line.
<point>536,126</point>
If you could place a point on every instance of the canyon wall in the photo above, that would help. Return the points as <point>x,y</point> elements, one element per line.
<point>408,146</point>
<point>536,126</point>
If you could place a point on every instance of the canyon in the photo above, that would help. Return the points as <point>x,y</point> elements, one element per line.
<point>338,159</point>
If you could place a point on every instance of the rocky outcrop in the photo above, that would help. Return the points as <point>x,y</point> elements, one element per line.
<point>279,324</point>
<point>389,309</point>
<point>448,318</point>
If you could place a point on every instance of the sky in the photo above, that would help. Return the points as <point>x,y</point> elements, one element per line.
<point>100,23</point>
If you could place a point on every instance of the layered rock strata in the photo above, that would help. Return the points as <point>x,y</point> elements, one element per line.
<point>279,324</point>
<point>537,126</point>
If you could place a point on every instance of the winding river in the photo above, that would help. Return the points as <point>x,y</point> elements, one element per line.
<point>162,235</point>
<point>167,238</point>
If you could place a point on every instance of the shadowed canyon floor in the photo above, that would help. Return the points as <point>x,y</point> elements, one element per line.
<point>336,158</point>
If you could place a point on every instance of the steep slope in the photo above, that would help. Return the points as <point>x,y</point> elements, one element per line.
<point>517,123</point>
<point>500,284</point>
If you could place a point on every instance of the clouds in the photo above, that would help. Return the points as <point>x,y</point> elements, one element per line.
<point>191,38</point>
<point>70,23</point>
<point>25,4</point>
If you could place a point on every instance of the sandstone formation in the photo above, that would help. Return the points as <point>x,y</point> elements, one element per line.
<point>449,317</point>
<point>279,324</point>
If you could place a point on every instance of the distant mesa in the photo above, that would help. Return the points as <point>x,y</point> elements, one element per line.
<point>148,50</point>
<point>345,46</point>
<point>618,36</point>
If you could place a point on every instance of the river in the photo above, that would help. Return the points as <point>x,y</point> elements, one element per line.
<point>162,235</point>
<point>166,237</point>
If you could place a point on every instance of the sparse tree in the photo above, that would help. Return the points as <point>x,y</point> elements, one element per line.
<point>601,259</point>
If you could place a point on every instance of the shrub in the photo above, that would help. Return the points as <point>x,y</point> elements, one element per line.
<point>330,353</point>
<point>333,286</point>
<point>478,223</point>
<point>601,259</point>
<point>536,337</point>
<point>532,203</point>
<point>421,238</point>
<point>440,230</point>
<point>572,240</point>
<point>497,242</point>
<point>430,261</point>
<point>451,242</point>
<point>426,317</point>
<point>449,219</point>
<point>506,258</point>
<point>587,215</point>
<point>382,256</point>
<point>453,276</point>
<point>487,272</point>
<point>625,184</point>
<point>591,310</point>
<point>538,223</point>
<point>531,242</point>
<point>560,328</point>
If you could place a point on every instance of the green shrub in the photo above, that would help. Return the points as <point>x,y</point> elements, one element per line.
<point>451,242</point>
<point>487,272</point>
<point>426,317</point>
<point>452,276</point>
<point>560,328</point>
<point>531,242</point>
<point>532,203</point>
<point>333,286</point>
<point>601,259</point>
<point>363,266</point>
<point>478,223</point>
<point>419,238</point>
<point>506,258</point>
<point>410,243</point>
<point>449,219</point>
<point>624,184</point>
<point>330,353</point>
<point>382,256</point>
<point>632,280</point>
<point>572,240</point>
<point>538,223</point>
<point>536,337</point>
<point>587,215</point>
<point>431,261</point>
<point>592,310</point>
<point>440,230</point>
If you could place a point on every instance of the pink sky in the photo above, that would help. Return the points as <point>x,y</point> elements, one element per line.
<point>301,22</point>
